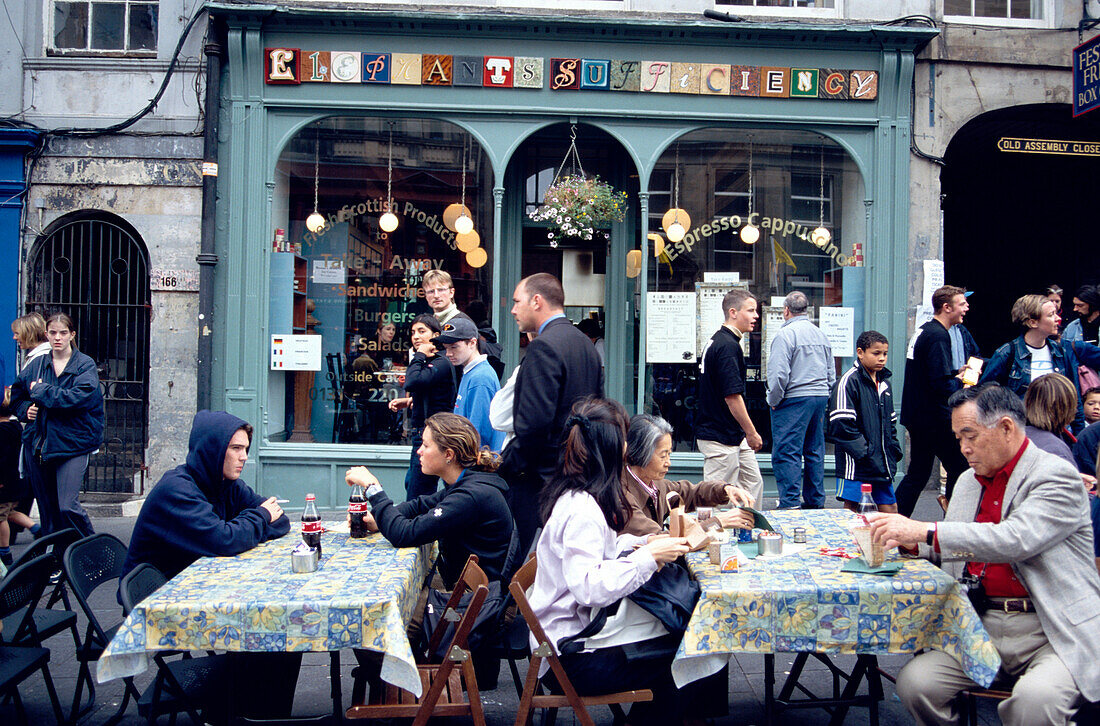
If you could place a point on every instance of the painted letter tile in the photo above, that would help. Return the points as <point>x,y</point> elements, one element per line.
<point>528,73</point>
<point>594,74</point>
<point>834,83</point>
<point>744,81</point>
<point>656,76</point>
<point>685,78</point>
<point>316,67</point>
<point>436,70</point>
<point>282,65</point>
<point>775,82</point>
<point>467,70</point>
<point>406,69</point>
<point>376,67</point>
<point>804,83</point>
<point>864,86</point>
<point>346,67</point>
<point>498,71</point>
<point>714,80</point>
<point>625,75</point>
<point>565,74</point>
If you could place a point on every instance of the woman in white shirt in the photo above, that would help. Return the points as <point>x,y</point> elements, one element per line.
<point>580,570</point>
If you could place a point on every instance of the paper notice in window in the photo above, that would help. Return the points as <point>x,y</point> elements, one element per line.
<point>328,272</point>
<point>670,322</point>
<point>838,324</point>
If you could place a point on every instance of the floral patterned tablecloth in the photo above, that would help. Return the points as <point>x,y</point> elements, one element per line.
<point>361,596</point>
<point>803,603</point>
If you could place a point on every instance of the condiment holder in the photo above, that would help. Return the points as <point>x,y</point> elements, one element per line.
<point>769,543</point>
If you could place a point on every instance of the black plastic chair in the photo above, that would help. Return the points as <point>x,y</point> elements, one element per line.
<point>185,685</point>
<point>49,622</point>
<point>20,591</point>
<point>88,564</point>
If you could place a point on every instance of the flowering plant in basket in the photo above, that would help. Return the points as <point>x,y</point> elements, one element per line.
<point>576,205</point>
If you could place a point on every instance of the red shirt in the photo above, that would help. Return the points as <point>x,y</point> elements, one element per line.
<point>999,579</point>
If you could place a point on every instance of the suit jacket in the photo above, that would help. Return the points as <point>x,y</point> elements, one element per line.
<point>560,367</point>
<point>644,520</point>
<point>1045,534</point>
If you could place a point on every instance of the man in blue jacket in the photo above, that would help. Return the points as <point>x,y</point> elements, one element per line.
<point>479,381</point>
<point>202,508</point>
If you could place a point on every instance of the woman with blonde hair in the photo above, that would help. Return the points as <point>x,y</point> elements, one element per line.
<point>1051,404</point>
<point>29,333</point>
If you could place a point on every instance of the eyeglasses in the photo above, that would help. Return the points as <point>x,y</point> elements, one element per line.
<point>438,291</point>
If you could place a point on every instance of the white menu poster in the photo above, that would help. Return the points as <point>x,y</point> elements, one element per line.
<point>838,324</point>
<point>933,279</point>
<point>668,316</point>
<point>710,318</point>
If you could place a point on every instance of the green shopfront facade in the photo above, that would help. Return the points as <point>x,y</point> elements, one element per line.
<point>338,112</point>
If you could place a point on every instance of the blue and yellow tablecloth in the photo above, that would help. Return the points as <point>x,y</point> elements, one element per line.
<point>803,603</point>
<point>361,596</point>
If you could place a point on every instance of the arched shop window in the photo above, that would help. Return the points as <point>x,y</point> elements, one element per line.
<point>345,285</point>
<point>782,184</point>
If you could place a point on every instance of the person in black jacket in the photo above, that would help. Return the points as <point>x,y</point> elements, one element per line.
<point>468,517</point>
<point>561,367</point>
<point>59,396</point>
<point>863,426</point>
<point>431,383</point>
<point>930,379</point>
<point>202,508</point>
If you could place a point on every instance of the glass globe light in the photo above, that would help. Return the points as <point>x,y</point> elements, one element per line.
<point>750,233</point>
<point>388,222</point>
<point>315,222</point>
<point>675,232</point>
<point>820,236</point>
<point>464,224</point>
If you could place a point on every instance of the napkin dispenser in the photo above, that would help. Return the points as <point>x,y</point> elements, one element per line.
<point>304,558</point>
<point>681,525</point>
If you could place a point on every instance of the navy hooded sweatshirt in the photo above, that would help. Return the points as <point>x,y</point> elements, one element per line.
<point>468,517</point>
<point>194,512</point>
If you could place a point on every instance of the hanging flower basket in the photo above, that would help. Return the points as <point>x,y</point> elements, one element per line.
<point>576,205</point>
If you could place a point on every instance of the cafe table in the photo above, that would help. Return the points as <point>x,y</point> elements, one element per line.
<point>361,596</point>
<point>802,603</point>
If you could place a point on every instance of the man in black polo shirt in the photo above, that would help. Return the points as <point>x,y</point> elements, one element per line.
<point>930,379</point>
<point>727,438</point>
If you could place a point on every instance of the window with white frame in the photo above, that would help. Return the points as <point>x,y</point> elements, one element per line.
<point>779,3</point>
<point>994,9</point>
<point>124,26</point>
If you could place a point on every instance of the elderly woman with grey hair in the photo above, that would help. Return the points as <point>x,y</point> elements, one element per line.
<point>648,451</point>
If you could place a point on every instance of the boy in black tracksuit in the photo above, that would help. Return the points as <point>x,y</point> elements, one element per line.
<point>863,426</point>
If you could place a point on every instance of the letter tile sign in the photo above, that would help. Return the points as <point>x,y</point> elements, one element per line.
<point>294,66</point>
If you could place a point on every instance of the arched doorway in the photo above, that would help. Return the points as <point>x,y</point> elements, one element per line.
<point>94,267</point>
<point>1017,214</point>
<point>592,271</point>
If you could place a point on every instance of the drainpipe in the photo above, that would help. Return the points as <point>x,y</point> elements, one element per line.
<point>207,259</point>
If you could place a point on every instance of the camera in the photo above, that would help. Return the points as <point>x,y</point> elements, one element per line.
<point>975,590</point>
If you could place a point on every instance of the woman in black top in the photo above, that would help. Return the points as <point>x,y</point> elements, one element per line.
<point>430,383</point>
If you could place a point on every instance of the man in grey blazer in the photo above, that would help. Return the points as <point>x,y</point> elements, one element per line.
<point>1018,520</point>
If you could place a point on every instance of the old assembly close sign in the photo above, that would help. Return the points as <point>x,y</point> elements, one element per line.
<point>1086,76</point>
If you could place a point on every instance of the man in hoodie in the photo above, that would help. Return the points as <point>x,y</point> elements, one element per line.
<point>202,508</point>
<point>479,381</point>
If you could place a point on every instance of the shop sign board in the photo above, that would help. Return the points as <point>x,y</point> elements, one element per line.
<point>294,66</point>
<point>1086,76</point>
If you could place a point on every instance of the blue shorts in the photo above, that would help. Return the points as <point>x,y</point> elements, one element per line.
<point>849,490</point>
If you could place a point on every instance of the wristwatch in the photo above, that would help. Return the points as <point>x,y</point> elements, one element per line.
<point>373,489</point>
<point>931,537</point>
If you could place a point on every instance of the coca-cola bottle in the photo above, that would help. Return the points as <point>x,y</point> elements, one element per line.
<point>357,507</point>
<point>311,524</point>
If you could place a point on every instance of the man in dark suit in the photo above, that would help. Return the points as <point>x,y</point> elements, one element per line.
<point>561,366</point>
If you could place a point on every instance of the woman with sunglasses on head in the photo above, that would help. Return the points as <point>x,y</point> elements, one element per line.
<point>583,566</point>
<point>58,396</point>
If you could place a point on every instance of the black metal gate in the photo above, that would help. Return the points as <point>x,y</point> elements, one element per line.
<point>94,268</point>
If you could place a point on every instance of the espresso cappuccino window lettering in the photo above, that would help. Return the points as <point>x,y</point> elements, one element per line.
<point>353,283</point>
<point>754,198</point>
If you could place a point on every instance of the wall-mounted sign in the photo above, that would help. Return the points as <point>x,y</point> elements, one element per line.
<point>838,324</point>
<point>1086,76</point>
<point>1048,146</point>
<point>294,66</point>
<point>296,352</point>
<point>173,280</point>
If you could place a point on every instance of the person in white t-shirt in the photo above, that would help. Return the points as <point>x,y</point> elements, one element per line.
<point>1035,353</point>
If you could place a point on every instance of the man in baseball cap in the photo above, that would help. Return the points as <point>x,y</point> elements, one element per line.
<point>479,381</point>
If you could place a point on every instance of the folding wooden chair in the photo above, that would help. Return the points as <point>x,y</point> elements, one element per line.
<point>442,683</point>
<point>532,696</point>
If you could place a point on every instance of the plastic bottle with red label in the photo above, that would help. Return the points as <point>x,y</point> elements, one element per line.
<point>311,524</point>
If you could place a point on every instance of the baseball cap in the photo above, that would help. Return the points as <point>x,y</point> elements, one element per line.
<point>457,329</point>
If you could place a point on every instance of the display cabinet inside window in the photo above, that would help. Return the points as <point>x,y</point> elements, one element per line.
<point>363,209</point>
<point>751,202</point>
